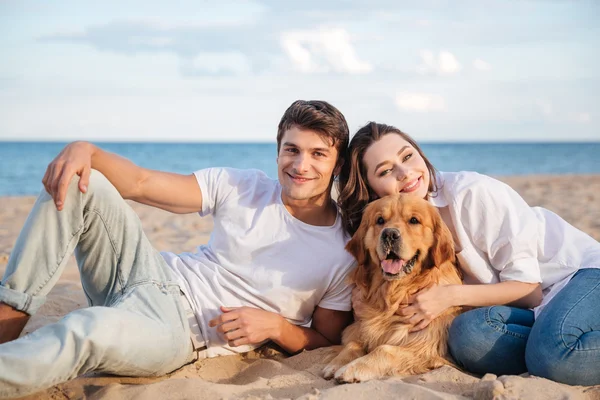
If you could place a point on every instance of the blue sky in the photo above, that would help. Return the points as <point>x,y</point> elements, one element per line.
<point>470,70</point>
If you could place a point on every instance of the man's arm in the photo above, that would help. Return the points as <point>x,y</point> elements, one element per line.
<point>326,330</point>
<point>169,191</point>
<point>246,325</point>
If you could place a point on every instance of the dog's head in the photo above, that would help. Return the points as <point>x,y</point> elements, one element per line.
<point>399,236</point>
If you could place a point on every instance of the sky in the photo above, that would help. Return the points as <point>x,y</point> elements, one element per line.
<point>220,71</point>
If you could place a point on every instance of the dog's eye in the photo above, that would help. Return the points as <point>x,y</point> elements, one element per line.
<point>380,221</point>
<point>414,221</point>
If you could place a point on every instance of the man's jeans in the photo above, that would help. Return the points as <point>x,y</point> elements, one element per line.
<point>562,345</point>
<point>136,323</point>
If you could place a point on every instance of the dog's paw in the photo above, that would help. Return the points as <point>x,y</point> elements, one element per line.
<point>329,370</point>
<point>353,373</point>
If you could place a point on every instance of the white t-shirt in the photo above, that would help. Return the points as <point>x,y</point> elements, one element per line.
<point>499,237</point>
<point>259,255</point>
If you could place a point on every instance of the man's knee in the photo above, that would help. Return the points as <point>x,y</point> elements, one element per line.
<point>99,183</point>
<point>99,188</point>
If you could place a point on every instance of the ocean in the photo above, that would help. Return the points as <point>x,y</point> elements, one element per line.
<point>22,164</point>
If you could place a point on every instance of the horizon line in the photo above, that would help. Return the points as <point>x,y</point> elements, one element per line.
<point>273,142</point>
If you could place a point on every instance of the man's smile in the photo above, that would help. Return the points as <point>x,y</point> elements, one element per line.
<point>299,179</point>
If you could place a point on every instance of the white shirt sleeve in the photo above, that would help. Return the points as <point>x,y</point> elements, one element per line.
<point>502,226</point>
<point>219,185</point>
<point>339,294</point>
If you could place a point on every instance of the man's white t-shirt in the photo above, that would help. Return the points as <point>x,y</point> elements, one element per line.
<point>499,237</point>
<point>260,256</point>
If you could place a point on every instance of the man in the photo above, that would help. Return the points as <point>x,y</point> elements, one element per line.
<point>274,268</point>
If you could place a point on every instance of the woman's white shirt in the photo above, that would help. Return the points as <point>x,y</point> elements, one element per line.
<point>499,237</point>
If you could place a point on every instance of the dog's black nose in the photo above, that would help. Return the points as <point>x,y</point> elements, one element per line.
<point>390,234</point>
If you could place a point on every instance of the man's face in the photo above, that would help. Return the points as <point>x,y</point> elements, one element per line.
<point>306,164</point>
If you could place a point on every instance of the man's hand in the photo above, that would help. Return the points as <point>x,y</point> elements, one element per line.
<point>75,158</point>
<point>425,305</point>
<point>247,325</point>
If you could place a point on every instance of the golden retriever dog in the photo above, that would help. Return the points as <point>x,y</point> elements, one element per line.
<point>401,246</point>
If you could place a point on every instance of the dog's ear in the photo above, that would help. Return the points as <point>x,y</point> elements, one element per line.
<point>443,247</point>
<point>362,273</point>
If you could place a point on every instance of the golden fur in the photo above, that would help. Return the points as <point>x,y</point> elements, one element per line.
<point>380,344</point>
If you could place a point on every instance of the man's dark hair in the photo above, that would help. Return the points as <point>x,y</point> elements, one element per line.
<point>319,116</point>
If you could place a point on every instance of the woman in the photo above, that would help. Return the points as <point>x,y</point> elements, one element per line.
<point>534,277</point>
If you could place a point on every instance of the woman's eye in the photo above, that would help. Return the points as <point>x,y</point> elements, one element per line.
<point>385,172</point>
<point>380,221</point>
<point>407,157</point>
<point>413,221</point>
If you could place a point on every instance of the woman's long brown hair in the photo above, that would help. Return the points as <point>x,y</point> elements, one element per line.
<point>354,191</point>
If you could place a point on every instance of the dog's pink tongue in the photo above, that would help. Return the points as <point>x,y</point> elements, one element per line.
<point>392,266</point>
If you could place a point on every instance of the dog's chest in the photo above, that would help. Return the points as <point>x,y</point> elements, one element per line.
<point>383,330</point>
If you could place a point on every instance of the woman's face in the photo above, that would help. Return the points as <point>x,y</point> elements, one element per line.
<point>394,166</point>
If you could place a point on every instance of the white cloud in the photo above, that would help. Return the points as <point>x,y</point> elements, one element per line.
<point>580,117</point>
<point>157,42</point>
<point>445,64</point>
<point>216,63</point>
<point>481,65</point>
<point>420,102</point>
<point>545,108</point>
<point>323,51</point>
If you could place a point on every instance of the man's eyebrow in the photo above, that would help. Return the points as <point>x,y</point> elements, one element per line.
<point>321,149</point>
<point>387,161</point>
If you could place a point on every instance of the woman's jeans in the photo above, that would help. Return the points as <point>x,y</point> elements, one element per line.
<point>136,323</point>
<point>563,344</point>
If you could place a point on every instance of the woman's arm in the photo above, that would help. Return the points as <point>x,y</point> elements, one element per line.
<point>424,306</point>
<point>512,293</point>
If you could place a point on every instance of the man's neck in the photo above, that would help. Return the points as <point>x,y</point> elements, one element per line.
<point>318,211</point>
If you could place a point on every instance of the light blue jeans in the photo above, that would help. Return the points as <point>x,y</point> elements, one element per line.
<point>562,344</point>
<point>136,324</point>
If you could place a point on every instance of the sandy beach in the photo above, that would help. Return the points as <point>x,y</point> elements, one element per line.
<point>268,373</point>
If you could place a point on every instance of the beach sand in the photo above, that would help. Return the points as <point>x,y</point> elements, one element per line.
<point>268,373</point>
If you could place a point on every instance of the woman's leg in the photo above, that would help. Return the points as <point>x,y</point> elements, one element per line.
<point>564,344</point>
<point>491,340</point>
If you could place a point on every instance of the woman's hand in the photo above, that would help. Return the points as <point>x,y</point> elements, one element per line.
<point>75,158</point>
<point>425,305</point>
<point>358,305</point>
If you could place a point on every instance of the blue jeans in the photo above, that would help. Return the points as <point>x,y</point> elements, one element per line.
<point>136,323</point>
<point>562,344</point>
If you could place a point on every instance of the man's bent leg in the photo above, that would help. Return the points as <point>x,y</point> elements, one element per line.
<point>106,234</point>
<point>145,333</point>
